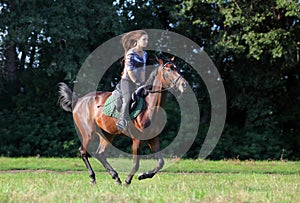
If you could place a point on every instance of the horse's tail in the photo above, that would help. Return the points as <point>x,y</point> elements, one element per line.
<point>67,99</point>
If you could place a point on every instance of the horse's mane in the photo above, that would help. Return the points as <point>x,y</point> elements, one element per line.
<point>151,77</point>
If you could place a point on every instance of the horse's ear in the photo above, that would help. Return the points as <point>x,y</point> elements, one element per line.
<point>156,58</point>
<point>160,61</point>
<point>173,59</point>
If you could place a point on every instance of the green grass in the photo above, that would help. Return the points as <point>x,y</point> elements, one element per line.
<point>236,166</point>
<point>172,165</point>
<point>66,180</point>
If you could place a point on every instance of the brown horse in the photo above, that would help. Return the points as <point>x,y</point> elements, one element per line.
<point>90,120</point>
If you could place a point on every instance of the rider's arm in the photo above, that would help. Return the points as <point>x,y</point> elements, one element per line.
<point>130,67</point>
<point>132,77</point>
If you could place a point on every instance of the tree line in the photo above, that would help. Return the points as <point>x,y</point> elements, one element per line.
<point>254,45</point>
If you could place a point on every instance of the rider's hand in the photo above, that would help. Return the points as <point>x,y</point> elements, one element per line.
<point>138,83</point>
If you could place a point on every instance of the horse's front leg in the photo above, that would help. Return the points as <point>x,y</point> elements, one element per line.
<point>101,157</point>
<point>154,146</point>
<point>136,160</point>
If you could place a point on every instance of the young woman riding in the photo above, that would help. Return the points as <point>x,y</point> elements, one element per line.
<point>134,70</point>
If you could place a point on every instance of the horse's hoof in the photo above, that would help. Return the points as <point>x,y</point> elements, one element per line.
<point>127,182</point>
<point>142,176</point>
<point>118,181</point>
<point>93,182</point>
<point>145,176</point>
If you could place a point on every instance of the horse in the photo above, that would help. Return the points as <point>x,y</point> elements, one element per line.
<point>90,120</point>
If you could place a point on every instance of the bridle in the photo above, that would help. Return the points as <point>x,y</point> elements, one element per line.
<point>165,76</point>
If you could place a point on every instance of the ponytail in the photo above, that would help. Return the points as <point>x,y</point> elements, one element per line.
<point>129,40</point>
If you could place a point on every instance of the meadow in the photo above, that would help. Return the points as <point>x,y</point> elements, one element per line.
<point>66,180</point>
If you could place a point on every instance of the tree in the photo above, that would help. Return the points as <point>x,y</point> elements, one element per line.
<point>253,44</point>
<point>44,43</point>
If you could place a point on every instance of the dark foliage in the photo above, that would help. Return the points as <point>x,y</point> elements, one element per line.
<point>254,45</point>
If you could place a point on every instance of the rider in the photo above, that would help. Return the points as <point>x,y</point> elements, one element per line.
<point>134,71</point>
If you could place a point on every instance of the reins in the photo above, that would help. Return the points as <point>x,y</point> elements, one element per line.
<point>157,91</point>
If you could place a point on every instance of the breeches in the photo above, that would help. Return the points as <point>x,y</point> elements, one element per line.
<point>127,88</point>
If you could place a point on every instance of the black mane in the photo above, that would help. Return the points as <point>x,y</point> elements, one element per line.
<point>151,77</point>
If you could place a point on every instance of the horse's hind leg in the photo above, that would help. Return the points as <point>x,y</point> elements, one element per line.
<point>86,136</point>
<point>84,156</point>
<point>101,155</point>
<point>154,146</point>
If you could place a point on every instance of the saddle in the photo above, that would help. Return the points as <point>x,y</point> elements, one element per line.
<point>113,104</point>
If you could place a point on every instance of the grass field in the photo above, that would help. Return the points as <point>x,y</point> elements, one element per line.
<point>66,180</point>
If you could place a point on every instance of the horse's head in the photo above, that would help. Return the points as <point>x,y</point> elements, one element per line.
<point>171,78</point>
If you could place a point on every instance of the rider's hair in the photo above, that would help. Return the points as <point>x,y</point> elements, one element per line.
<point>129,39</point>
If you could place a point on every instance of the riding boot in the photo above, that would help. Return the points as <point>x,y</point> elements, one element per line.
<point>124,117</point>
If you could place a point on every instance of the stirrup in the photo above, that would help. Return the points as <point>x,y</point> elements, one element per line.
<point>122,125</point>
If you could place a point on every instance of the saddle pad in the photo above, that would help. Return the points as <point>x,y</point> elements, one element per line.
<point>110,110</point>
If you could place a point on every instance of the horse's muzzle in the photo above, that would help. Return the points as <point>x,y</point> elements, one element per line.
<point>182,86</point>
